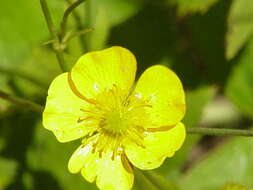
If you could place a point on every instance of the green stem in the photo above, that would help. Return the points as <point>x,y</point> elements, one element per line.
<point>29,78</point>
<point>157,184</point>
<point>57,45</point>
<point>88,24</point>
<point>79,26</point>
<point>143,181</point>
<point>66,15</point>
<point>22,102</point>
<point>219,132</point>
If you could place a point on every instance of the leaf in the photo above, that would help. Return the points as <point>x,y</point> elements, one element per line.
<point>240,82</point>
<point>20,32</point>
<point>104,15</point>
<point>185,6</point>
<point>118,10</point>
<point>7,172</point>
<point>230,163</point>
<point>240,26</point>
<point>98,37</point>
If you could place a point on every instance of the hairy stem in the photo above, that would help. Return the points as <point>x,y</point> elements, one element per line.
<point>88,24</point>
<point>56,45</point>
<point>16,73</point>
<point>21,102</point>
<point>66,15</point>
<point>79,26</point>
<point>220,132</point>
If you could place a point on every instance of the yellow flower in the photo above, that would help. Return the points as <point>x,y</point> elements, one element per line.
<point>122,124</point>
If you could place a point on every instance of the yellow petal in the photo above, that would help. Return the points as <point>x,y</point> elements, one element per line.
<point>96,71</point>
<point>164,92</point>
<point>113,175</point>
<point>109,174</point>
<point>158,146</point>
<point>62,111</point>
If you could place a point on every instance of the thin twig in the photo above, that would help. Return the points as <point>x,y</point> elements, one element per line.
<point>58,49</point>
<point>88,21</point>
<point>66,15</point>
<point>219,131</point>
<point>16,73</point>
<point>79,26</point>
<point>22,102</point>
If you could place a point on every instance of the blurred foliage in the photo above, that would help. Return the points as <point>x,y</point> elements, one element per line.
<point>230,163</point>
<point>209,44</point>
<point>240,83</point>
<point>239,26</point>
<point>187,7</point>
<point>233,186</point>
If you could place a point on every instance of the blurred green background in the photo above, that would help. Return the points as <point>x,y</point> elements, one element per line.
<point>208,43</point>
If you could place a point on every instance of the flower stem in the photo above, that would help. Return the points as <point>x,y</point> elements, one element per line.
<point>79,26</point>
<point>88,21</point>
<point>22,102</point>
<point>219,132</point>
<point>66,15</point>
<point>57,46</point>
<point>16,73</point>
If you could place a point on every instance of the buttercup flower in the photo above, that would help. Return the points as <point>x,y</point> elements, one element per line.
<point>121,124</point>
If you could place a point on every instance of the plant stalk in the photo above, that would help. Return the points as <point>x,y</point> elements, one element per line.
<point>219,132</point>
<point>16,73</point>
<point>57,46</point>
<point>66,16</point>
<point>22,102</point>
<point>79,26</point>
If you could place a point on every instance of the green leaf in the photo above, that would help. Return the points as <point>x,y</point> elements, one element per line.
<point>231,163</point>
<point>101,24</point>
<point>20,32</point>
<point>240,26</point>
<point>185,6</point>
<point>118,10</point>
<point>7,171</point>
<point>104,15</point>
<point>240,82</point>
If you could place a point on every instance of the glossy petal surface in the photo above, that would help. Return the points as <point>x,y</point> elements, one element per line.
<point>62,111</point>
<point>109,174</point>
<point>164,92</point>
<point>158,146</point>
<point>96,71</point>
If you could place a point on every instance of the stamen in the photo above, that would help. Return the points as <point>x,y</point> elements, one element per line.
<point>119,118</point>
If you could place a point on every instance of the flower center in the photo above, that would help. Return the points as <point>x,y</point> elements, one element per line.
<point>120,118</point>
<point>115,122</point>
